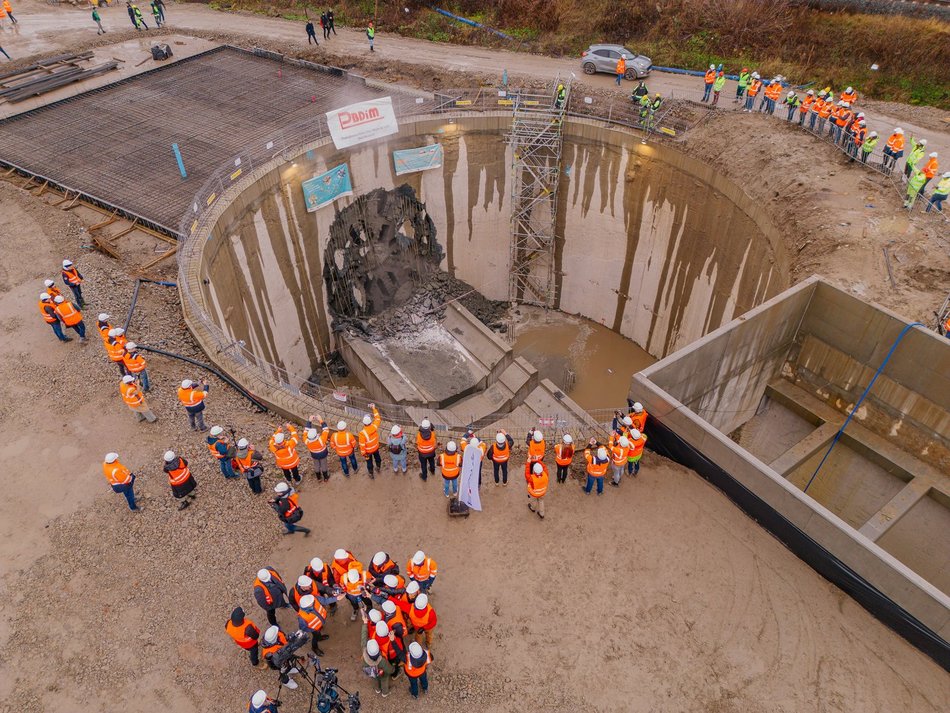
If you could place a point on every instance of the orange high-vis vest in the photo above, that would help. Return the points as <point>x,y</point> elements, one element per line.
<point>423,620</point>
<point>53,292</point>
<point>818,105</point>
<point>931,167</point>
<point>618,454</point>
<point>104,329</point>
<point>844,117</point>
<point>343,443</point>
<point>451,465</point>
<point>826,110</point>
<point>369,436</point>
<point>896,142</point>
<point>636,446</point>
<point>68,313</point>
<point>425,446</point>
<point>268,649</point>
<point>116,473</point>
<point>536,451</point>
<point>274,578</point>
<point>417,668</point>
<point>318,444</point>
<point>340,568</point>
<point>246,462</point>
<point>214,450</point>
<point>115,349</point>
<point>48,310</point>
<point>239,633</point>
<point>710,76</point>
<point>192,396</point>
<point>563,454</point>
<point>597,470</point>
<point>179,474</point>
<point>803,109</point>
<point>71,277</point>
<point>314,619</point>
<point>131,394</point>
<point>537,484</point>
<point>501,453</point>
<point>639,420</point>
<point>353,588</point>
<point>773,91</point>
<point>755,87</point>
<point>423,571</point>
<point>286,453</point>
<point>135,363</point>
<point>621,65</point>
<point>849,97</point>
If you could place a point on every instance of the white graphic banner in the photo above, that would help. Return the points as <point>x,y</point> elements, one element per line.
<point>361,122</point>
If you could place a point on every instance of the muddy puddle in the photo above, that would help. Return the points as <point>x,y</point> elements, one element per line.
<point>590,362</point>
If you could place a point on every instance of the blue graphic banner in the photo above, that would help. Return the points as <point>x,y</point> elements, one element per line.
<point>420,159</point>
<point>327,187</point>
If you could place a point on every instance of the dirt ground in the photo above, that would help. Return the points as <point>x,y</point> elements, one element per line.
<point>661,596</point>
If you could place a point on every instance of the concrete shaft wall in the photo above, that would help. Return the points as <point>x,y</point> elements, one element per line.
<point>656,245</point>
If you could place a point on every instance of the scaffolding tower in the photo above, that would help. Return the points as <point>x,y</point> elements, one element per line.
<point>535,140</point>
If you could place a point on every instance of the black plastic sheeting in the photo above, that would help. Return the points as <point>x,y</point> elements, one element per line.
<point>666,443</point>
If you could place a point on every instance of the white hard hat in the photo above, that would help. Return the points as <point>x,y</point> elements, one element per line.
<point>44,297</point>
<point>426,423</point>
<point>128,379</point>
<point>379,558</point>
<point>898,130</point>
<point>791,93</point>
<point>418,557</point>
<point>278,437</point>
<point>389,607</point>
<point>316,564</point>
<point>712,66</point>
<point>216,430</point>
<point>500,437</point>
<point>538,436</point>
<point>627,421</point>
<point>353,576</point>
<point>636,434</point>
<point>421,601</point>
<point>372,647</point>
<point>311,433</point>
<point>946,175</point>
<point>873,133</point>
<point>382,628</point>
<point>395,430</point>
<point>474,442</point>
<point>624,442</point>
<point>860,115</point>
<point>848,90</point>
<point>567,439</point>
<point>390,580</point>
<point>281,488</point>
<point>933,155</point>
<point>103,316</point>
<point>270,636</point>
<point>375,615</point>
<point>243,443</point>
<point>304,581</point>
<point>258,699</point>
<point>48,283</point>
<point>169,456</point>
<point>602,453</point>
<point>537,468</point>
<point>129,346</point>
<point>367,420</point>
<point>112,457</point>
<point>307,601</point>
<point>624,56</point>
<point>59,299</point>
<point>451,447</point>
<point>810,92</point>
<point>263,575</point>
<point>637,407</point>
<point>113,332</point>
<point>67,263</point>
<point>119,331</point>
<point>341,425</point>
<point>756,75</point>
<point>415,649</point>
<point>340,554</point>
<point>412,587</point>
<point>186,384</point>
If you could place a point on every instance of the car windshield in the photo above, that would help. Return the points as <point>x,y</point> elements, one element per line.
<point>630,53</point>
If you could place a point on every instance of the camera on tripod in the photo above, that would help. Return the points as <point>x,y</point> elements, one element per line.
<point>326,693</point>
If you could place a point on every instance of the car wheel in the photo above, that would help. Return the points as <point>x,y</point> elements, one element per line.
<point>589,68</point>
<point>630,74</point>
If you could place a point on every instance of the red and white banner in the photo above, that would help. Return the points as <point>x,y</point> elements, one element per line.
<point>361,122</point>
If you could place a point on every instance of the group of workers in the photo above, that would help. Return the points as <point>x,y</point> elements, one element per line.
<point>836,117</point>
<point>397,618</point>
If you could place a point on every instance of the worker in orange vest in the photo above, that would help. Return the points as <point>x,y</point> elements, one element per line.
<point>805,106</point>
<point>754,86</point>
<point>598,461</point>
<point>70,316</point>
<point>893,150</point>
<point>180,479</point>
<point>355,588</point>
<point>51,317</point>
<point>49,287</point>
<point>619,447</point>
<point>637,441</point>
<point>135,400</point>
<point>272,642</point>
<point>104,326</point>
<point>343,560</point>
<point>823,115</point>
<point>115,347</point>
<point>426,444</point>
<point>344,443</point>
<point>450,465</point>
<point>318,443</point>
<point>270,593</point>
<point>564,456</point>
<point>849,96</point>
<point>816,108</point>
<point>284,448</point>
<point>422,619</point>
<point>621,68</point>
<point>312,615</point>
<point>246,635</point>
<point>287,507</point>
<point>121,479</point>
<point>417,662</point>
<point>708,80</point>
<point>368,440</point>
<point>192,396</point>
<point>135,365</point>
<point>537,480</point>
<point>422,569</point>
<point>72,278</point>
<point>930,169</point>
<point>248,463</point>
<point>500,453</point>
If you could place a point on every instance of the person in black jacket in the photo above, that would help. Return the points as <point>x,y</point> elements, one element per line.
<point>288,510</point>
<point>331,25</point>
<point>311,33</point>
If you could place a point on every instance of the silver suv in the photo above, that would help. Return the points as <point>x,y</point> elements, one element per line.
<point>603,58</point>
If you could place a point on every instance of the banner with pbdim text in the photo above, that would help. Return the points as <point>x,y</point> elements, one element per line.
<point>363,121</point>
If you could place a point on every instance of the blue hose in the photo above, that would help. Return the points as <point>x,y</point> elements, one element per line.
<point>860,400</point>
<point>472,23</point>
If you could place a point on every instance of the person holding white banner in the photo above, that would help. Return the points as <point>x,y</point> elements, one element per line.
<point>471,472</point>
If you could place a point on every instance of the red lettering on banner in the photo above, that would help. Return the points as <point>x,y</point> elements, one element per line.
<point>350,119</point>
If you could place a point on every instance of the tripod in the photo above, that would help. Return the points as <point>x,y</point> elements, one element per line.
<point>325,689</point>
